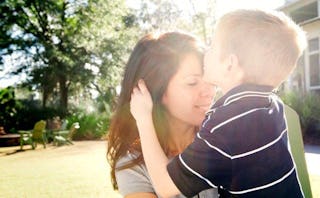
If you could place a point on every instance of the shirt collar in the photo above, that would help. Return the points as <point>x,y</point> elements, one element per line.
<point>244,90</point>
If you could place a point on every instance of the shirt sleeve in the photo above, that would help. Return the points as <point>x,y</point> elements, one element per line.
<point>204,164</point>
<point>133,180</point>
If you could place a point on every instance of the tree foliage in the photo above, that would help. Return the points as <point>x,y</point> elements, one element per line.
<point>69,47</point>
<point>166,15</point>
<point>69,42</point>
<point>112,33</point>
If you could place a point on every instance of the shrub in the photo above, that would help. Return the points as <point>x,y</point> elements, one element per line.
<point>30,112</point>
<point>308,108</point>
<point>20,114</point>
<point>92,125</point>
<point>8,109</point>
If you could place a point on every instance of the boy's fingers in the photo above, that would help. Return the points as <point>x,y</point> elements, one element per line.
<point>142,86</point>
<point>135,91</point>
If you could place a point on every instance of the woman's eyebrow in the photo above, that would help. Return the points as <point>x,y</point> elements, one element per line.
<point>193,75</point>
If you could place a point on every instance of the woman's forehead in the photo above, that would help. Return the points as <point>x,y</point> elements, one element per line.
<point>190,65</point>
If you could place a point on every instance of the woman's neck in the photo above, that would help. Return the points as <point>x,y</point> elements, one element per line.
<point>181,135</point>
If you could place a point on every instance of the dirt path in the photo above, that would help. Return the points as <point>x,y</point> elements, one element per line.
<point>79,170</point>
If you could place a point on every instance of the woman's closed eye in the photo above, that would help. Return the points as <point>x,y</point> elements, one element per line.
<point>192,82</point>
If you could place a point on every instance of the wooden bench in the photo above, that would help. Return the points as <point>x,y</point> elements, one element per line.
<point>9,140</point>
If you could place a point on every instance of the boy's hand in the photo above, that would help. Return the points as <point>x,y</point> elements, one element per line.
<point>141,103</point>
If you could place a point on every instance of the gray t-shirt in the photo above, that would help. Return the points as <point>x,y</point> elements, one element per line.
<point>136,179</point>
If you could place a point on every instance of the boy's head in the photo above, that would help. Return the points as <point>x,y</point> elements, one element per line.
<point>253,46</point>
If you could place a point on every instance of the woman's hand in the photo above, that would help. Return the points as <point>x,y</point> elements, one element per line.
<point>141,103</point>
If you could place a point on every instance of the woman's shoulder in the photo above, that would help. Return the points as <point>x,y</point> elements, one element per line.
<point>133,179</point>
<point>124,160</point>
<point>137,169</point>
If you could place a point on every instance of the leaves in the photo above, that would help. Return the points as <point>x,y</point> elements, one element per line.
<point>67,36</point>
<point>71,47</point>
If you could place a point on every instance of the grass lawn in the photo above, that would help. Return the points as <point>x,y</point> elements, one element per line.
<point>315,184</point>
<point>313,162</point>
<point>80,170</point>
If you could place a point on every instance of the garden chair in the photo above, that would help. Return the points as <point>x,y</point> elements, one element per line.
<point>297,149</point>
<point>65,136</point>
<point>51,132</point>
<point>37,134</point>
<point>64,125</point>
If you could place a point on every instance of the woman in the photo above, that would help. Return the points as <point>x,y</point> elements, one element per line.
<point>171,66</point>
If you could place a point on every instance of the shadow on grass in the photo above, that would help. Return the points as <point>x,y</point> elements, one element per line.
<point>5,151</point>
<point>11,152</point>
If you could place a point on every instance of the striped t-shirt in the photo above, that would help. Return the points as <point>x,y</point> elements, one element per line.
<point>240,148</point>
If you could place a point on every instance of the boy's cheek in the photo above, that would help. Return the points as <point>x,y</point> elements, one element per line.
<point>207,77</point>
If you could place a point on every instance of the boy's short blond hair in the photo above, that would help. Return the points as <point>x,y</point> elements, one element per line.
<point>267,44</point>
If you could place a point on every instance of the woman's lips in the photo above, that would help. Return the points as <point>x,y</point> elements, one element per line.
<point>204,107</point>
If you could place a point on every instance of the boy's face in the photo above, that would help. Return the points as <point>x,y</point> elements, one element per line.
<point>214,66</point>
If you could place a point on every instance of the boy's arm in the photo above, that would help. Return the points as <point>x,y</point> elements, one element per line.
<point>155,158</point>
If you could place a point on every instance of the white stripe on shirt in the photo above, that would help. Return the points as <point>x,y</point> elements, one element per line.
<point>261,148</point>
<point>264,186</point>
<point>195,172</point>
<point>234,118</point>
<point>206,120</point>
<point>243,93</point>
<point>214,147</point>
<point>245,96</point>
<point>246,153</point>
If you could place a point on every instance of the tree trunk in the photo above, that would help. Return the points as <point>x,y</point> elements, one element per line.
<point>63,93</point>
<point>44,98</point>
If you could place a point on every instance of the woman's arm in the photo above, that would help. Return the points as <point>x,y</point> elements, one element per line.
<point>155,159</point>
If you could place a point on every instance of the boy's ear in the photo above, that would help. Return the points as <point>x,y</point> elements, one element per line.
<point>233,62</point>
<point>235,68</point>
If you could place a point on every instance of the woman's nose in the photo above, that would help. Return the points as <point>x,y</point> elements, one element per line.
<point>208,90</point>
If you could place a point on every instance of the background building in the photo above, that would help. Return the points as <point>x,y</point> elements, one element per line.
<point>306,13</point>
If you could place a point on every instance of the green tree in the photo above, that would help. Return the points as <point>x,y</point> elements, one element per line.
<point>44,30</point>
<point>69,43</point>
<point>166,15</point>
<point>113,32</point>
<point>203,21</point>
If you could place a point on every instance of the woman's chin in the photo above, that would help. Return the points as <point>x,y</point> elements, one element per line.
<point>199,120</point>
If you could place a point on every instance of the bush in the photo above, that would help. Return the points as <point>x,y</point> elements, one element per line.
<point>8,108</point>
<point>23,114</point>
<point>92,125</point>
<point>308,108</point>
<point>20,114</point>
<point>30,112</point>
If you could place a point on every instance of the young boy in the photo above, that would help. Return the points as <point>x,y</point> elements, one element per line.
<point>241,147</point>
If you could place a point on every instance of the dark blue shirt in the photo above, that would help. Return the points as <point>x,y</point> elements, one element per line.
<point>240,148</point>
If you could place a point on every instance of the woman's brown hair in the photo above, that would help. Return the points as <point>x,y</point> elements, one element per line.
<point>155,60</point>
